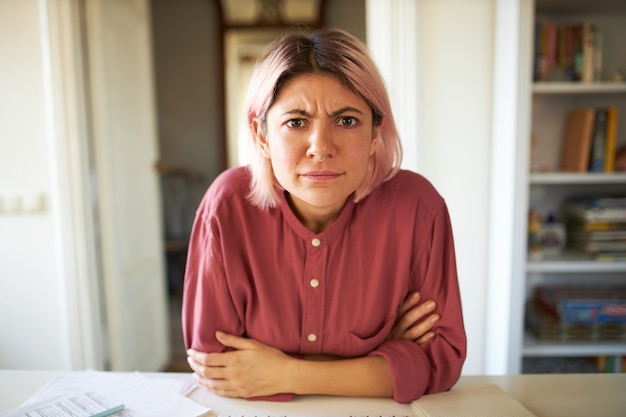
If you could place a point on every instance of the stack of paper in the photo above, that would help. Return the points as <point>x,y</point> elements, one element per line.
<point>86,394</point>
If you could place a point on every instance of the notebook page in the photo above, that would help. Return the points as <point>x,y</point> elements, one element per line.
<point>482,401</point>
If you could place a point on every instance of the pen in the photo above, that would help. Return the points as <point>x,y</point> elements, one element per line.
<point>109,411</point>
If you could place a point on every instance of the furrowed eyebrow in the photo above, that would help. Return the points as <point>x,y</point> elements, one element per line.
<point>345,110</point>
<point>298,112</point>
<point>338,112</point>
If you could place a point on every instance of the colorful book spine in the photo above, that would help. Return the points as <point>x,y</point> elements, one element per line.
<point>597,157</point>
<point>611,138</point>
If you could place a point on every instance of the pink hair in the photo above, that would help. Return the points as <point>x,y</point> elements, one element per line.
<point>329,51</point>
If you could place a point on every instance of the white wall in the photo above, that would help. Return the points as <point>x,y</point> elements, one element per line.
<point>455,41</point>
<point>33,331</point>
<point>448,139</point>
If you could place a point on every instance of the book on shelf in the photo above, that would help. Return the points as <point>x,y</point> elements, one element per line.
<point>589,140</point>
<point>547,326</point>
<point>604,244</point>
<point>577,140</point>
<point>596,209</point>
<point>591,53</point>
<point>593,247</point>
<point>598,142</point>
<point>609,364</point>
<point>612,114</point>
<point>609,256</point>
<point>570,51</point>
<point>579,304</point>
<point>580,233</point>
<point>597,226</point>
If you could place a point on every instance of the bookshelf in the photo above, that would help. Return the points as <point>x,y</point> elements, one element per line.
<point>546,187</point>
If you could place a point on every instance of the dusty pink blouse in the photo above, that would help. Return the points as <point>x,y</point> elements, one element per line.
<point>263,275</point>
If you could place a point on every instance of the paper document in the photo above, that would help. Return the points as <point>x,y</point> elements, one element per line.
<point>141,396</point>
<point>86,404</point>
<point>481,401</point>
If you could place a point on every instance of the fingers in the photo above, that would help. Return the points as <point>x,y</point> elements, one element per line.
<point>200,358</point>
<point>207,375</point>
<point>409,302</point>
<point>415,321</point>
<point>422,331</point>
<point>414,315</point>
<point>428,336</point>
<point>217,386</point>
<point>230,340</point>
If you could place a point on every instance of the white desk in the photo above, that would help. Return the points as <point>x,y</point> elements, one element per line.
<point>569,395</point>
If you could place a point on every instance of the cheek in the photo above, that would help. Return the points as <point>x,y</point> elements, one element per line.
<point>286,154</point>
<point>360,153</point>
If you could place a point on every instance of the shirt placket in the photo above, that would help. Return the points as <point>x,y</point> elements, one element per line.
<point>314,289</point>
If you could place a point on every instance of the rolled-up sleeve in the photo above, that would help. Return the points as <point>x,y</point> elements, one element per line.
<point>436,365</point>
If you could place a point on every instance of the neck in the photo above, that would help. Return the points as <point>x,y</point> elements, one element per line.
<point>315,220</point>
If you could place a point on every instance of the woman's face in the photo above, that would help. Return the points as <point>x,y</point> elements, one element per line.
<point>319,136</point>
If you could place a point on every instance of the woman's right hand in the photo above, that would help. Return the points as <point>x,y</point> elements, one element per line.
<point>416,319</point>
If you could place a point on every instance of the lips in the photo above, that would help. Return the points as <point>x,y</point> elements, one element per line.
<point>321,175</point>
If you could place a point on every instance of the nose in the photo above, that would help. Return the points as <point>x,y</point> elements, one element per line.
<point>321,144</point>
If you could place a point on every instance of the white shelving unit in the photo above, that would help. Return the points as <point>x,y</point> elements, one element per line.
<point>545,188</point>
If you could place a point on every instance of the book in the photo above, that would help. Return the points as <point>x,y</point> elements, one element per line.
<point>610,256</point>
<point>598,226</point>
<point>583,305</point>
<point>599,246</point>
<point>577,140</point>
<point>571,46</point>
<point>596,235</point>
<point>547,326</point>
<point>611,138</point>
<point>598,153</point>
<point>589,45</point>
<point>596,209</point>
<point>485,401</point>
<point>552,50</point>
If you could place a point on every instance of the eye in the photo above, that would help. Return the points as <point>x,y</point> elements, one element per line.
<point>347,121</point>
<point>295,123</point>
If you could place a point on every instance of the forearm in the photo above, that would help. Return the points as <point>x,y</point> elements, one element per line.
<point>363,377</point>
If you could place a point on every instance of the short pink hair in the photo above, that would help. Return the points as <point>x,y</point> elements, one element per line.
<point>328,51</point>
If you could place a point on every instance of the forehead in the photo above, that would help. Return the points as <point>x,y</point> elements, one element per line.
<point>323,91</point>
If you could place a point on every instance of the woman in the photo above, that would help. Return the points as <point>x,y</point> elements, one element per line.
<point>305,269</point>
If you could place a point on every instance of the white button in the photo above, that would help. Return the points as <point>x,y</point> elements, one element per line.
<point>316,242</point>
<point>311,337</point>
<point>314,283</point>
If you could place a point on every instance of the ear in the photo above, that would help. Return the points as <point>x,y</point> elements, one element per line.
<point>376,132</point>
<point>260,137</point>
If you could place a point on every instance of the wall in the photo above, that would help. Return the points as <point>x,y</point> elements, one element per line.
<point>33,325</point>
<point>446,131</point>
<point>455,46</point>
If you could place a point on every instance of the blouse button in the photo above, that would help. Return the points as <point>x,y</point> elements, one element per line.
<point>311,337</point>
<point>316,242</point>
<point>314,283</point>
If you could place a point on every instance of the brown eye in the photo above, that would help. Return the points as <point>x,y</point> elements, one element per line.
<point>295,123</point>
<point>347,121</point>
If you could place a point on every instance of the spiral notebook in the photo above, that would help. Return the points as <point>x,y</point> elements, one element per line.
<point>481,401</point>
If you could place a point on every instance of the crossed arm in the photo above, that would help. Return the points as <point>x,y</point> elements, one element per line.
<point>254,369</point>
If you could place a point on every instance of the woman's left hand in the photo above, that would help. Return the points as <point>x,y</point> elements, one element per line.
<point>416,320</point>
<point>252,369</point>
